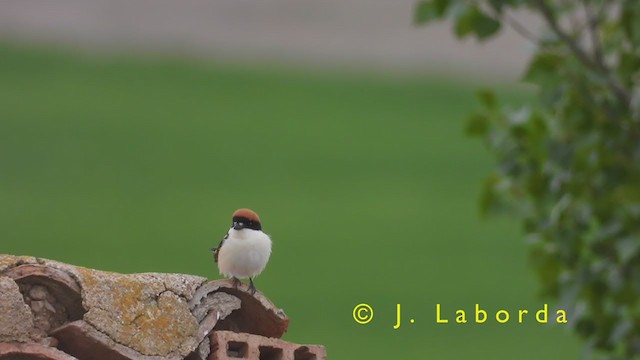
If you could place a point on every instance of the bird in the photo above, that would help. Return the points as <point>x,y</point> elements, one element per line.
<point>245,250</point>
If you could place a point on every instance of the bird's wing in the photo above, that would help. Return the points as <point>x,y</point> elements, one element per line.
<point>217,250</point>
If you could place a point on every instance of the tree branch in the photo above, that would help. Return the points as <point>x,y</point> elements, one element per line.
<point>511,21</point>
<point>593,22</point>
<point>520,29</point>
<point>551,20</point>
<point>600,67</point>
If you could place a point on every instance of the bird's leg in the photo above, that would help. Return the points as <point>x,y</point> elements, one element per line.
<point>236,282</point>
<point>252,288</point>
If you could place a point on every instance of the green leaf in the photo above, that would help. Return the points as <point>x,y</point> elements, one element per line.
<point>464,21</point>
<point>627,248</point>
<point>485,26</point>
<point>488,98</point>
<point>473,21</point>
<point>629,19</point>
<point>629,65</point>
<point>442,6</point>
<point>543,69</point>
<point>496,5</point>
<point>477,124</point>
<point>489,198</point>
<point>425,12</point>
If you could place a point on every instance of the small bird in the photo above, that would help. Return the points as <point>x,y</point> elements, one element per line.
<point>245,250</point>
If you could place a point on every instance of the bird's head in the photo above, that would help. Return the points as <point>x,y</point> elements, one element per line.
<point>246,219</point>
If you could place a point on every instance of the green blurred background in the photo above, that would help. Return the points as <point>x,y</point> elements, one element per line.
<point>130,131</point>
<point>366,183</point>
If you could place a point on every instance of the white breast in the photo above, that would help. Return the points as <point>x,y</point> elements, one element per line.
<point>244,254</point>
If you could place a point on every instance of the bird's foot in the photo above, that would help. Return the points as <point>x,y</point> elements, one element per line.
<point>236,283</point>
<point>252,288</point>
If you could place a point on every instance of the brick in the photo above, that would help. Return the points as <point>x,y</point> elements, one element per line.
<point>83,341</point>
<point>257,315</point>
<point>229,345</point>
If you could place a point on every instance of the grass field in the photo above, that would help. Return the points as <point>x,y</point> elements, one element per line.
<point>367,185</point>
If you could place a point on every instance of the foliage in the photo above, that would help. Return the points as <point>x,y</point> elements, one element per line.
<point>570,163</point>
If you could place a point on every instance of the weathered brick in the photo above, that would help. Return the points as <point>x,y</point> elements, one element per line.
<point>228,345</point>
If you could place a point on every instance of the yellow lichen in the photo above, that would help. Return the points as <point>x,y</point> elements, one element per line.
<point>7,261</point>
<point>137,310</point>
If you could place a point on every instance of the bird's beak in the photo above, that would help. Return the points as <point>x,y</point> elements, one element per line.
<point>238,225</point>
